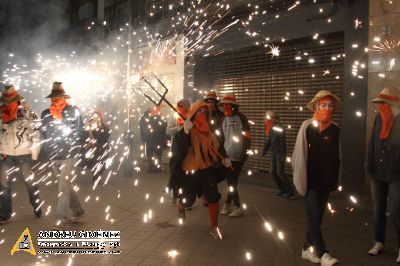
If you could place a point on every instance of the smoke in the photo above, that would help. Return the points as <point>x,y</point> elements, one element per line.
<point>28,26</point>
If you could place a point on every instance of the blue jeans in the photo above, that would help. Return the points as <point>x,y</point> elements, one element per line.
<point>278,173</point>
<point>315,203</point>
<point>232,178</point>
<point>68,198</point>
<point>384,193</point>
<point>25,163</point>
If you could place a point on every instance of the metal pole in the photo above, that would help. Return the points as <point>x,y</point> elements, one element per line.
<point>128,67</point>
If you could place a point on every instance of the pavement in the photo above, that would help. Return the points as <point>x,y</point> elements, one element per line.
<point>123,203</point>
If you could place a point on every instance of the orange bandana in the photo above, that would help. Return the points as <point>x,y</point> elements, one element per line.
<point>56,107</point>
<point>228,111</point>
<point>387,120</point>
<point>268,124</point>
<point>201,124</point>
<point>9,111</point>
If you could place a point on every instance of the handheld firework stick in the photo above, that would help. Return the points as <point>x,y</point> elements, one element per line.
<point>163,98</point>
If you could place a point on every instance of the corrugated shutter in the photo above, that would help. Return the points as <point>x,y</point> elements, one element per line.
<point>280,83</point>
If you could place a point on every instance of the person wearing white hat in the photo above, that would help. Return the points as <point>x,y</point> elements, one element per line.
<point>316,165</point>
<point>19,148</point>
<point>236,136</point>
<point>383,165</point>
<point>276,142</point>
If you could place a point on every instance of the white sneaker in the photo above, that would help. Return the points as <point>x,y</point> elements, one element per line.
<point>237,212</point>
<point>398,258</point>
<point>376,249</point>
<point>309,255</point>
<point>225,209</point>
<point>327,260</point>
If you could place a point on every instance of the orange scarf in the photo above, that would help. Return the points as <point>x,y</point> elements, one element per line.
<point>324,117</point>
<point>228,110</point>
<point>56,107</point>
<point>9,112</point>
<point>268,124</point>
<point>387,120</point>
<point>200,155</point>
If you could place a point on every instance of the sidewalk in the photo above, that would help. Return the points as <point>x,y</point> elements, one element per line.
<point>348,233</point>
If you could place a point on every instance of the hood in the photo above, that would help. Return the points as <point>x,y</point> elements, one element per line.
<point>194,107</point>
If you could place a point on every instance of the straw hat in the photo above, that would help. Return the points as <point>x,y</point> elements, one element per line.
<point>10,94</point>
<point>390,94</point>
<point>322,94</point>
<point>230,99</point>
<point>211,95</point>
<point>57,91</point>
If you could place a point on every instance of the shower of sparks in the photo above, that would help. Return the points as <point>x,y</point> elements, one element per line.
<point>274,50</point>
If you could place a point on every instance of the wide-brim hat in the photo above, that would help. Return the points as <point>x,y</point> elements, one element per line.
<point>322,94</point>
<point>58,91</point>
<point>269,115</point>
<point>390,95</point>
<point>10,94</point>
<point>211,95</point>
<point>229,99</point>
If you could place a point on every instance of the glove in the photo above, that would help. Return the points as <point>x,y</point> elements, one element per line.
<point>227,163</point>
<point>187,126</point>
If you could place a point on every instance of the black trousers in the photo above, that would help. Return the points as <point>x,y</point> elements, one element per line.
<point>232,178</point>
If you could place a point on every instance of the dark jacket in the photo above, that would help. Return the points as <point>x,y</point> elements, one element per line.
<point>62,139</point>
<point>323,162</point>
<point>180,147</point>
<point>100,149</point>
<point>276,141</point>
<point>383,161</point>
<point>216,120</point>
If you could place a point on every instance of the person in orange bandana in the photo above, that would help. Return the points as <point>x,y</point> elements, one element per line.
<point>236,136</point>
<point>19,148</point>
<point>316,164</point>
<point>276,142</point>
<point>63,136</point>
<point>194,164</point>
<point>383,165</point>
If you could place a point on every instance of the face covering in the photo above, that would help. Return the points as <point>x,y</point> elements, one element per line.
<point>386,114</point>
<point>268,124</point>
<point>200,123</point>
<point>183,111</point>
<point>228,110</point>
<point>324,117</point>
<point>9,111</point>
<point>56,107</point>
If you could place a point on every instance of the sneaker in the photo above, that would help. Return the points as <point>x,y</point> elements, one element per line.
<point>75,218</point>
<point>237,212</point>
<point>308,254</point>
<point>376,249</point>
<point>216,233</point>
<point>225,209</point>
<point>4,220</point>
<point>328,260</point>
<point>288,196</point>
<point>398,258</point>
<point>38,213</point>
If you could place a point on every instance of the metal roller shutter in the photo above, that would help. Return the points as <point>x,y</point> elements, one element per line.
<point>281,84</point>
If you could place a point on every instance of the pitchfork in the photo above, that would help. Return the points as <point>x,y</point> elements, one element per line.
<point>163,98</point>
